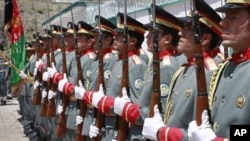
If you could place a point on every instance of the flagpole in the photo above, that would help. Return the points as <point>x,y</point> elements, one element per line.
<point>13,66</point>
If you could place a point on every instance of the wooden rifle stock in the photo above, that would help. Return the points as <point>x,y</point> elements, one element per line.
<point>81,106</point>
<point>156,92</point>
<point>62,120</point>
<point>51,106</point>
<point>122,124</point>
<point>202,96</point>
<point>98,115</point>
<point>37,92</point>
<point>43,111</point>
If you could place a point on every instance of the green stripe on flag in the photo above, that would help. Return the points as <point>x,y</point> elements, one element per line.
<point>18,55</point>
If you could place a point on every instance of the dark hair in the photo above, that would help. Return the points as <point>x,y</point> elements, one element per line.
<point>106,35</point>
<point>138,36</point>
<point>174,33</point>
<point>216,39</point>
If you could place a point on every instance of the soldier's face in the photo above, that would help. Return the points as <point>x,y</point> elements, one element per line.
<point>236,29</point>
<point>83,41</point>
<point>69,41</point>
<point>186,42</point>
<point>118,42</point>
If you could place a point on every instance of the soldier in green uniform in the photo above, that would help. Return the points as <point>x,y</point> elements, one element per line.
<point>180,106</point>
<point>228,102</point>
<point>168,27</point>
<point>137,67</point>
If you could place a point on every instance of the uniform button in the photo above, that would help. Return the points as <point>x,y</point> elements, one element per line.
<point>215,126</point>
<point>223,99</point>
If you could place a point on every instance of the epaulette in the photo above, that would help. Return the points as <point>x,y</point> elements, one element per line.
<point>91,55</point>
<point>166,60</point>
<point>136,59</point>
<point>210,63</point>
<point>214,82</point>
<point>106,56</point>
<point>142,51</point>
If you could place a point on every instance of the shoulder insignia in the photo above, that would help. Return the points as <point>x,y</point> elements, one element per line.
<point>166,60</point>
<point>106,56</point>
<point>88,73</point>
<point>107,74</point>
<point>138,83</point>
<point>136,59</point>
<point>210,63</point>
<point>164,90</point>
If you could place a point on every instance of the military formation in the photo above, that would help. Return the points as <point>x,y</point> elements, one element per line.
<point>97,82</point>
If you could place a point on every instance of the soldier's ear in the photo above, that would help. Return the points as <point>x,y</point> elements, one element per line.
<point>206,39</point>
<point>168,38</point>
<point>132,40</point>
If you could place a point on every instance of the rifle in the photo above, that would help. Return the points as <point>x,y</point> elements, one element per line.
<point>123,125</point>
<point>37,92</point>
<point>202,96</point>
<point>44,102</point>
<point>98,115</point>
<point>156,93</point>
<point>61,124</point>
<point>51,106</point>
<point>80,104</point>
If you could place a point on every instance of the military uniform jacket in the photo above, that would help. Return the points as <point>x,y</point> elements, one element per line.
<point>137,68</point>
<point>168,66</point>
<point>109,59</point>
<point>181,102</point>
<point>228,101</point>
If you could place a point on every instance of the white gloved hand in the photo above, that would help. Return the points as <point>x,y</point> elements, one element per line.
<point>120,102</point>
<point>51,94</point>
<point>93,131</point>
<point>59,109</point>
<point>152,125</point>
<point>45,76</point>
<point>52,70</point>
<point>62,82</point>
<point>36,84</point>
<point>79,120</point>
<point>38,63</point>
<point>97,96</point>
<point>44,94</point>
<point>79,92</point>
<point>23,75</point>
<point>80,84</point>
<point>202,132</point>
<point>35,71</point>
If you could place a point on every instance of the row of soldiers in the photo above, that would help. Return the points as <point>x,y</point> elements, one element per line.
<point>80,50</point>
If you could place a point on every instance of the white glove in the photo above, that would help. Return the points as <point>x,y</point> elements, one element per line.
<point>152,125</point>
<point>44,94</point>
<point>59,109</point>
<point>51,94</point>
<point>51,70</point>
<point>23,75</point>
<point>35,71</point>
<point>79,120</point>
<point>38,63</point>
<point>62,82</point>
<point>97,96</point>
<point>45,76</point>
<point>93,131</point>
<point>202,132</point>
<point>36,84</point>
<point>79,92</point>
<point>120,102</point>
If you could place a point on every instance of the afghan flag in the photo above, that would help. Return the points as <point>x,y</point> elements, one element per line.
<point>13,29</point>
